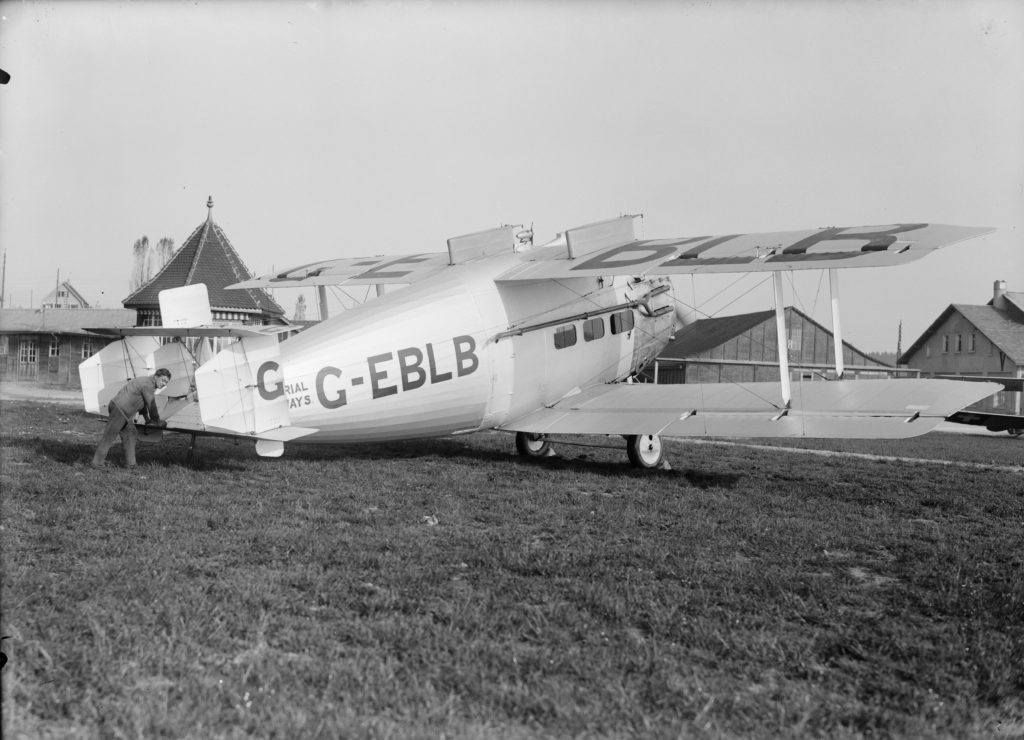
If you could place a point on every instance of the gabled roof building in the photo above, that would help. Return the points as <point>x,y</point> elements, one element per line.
<point>744,348</point>
<point>975,340</point>
<point>207,256</point>
<point>64,296</point>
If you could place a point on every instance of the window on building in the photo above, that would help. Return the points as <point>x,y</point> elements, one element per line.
<point>959,342</point>
<point>927,350</point>
<point>54,346</point>
<point>27,351</point>
<point>3,345</point>
<point>622,322</point>
<point>945,342</point>
<point>972,342</point>
<point>565,336</point>
<point>88,350</point>
<point>593,329</point>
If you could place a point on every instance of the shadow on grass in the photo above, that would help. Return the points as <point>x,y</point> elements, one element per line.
<point>212,454</point>
<point>167,455</point>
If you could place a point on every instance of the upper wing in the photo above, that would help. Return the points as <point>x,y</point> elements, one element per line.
<point>884,409</point>
<point>354,271</point>
<point>193,331</point>
<point>410,268</point>
<point>611,248</point>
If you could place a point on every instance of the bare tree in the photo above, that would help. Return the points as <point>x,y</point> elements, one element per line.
<point>148,260</point>
<point>140,257</point>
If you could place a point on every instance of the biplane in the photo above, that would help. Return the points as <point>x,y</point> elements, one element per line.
<point>540,341</point>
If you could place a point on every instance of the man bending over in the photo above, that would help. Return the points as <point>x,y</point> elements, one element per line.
<point>137,395</point>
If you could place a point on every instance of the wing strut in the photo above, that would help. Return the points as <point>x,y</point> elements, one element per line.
<point>780,329</point>
<point>321,295</point>
<point>837,331</point>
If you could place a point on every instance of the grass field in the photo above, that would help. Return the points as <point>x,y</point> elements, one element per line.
<point>448,588</point>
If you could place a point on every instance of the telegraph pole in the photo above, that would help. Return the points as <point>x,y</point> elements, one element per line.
<point>3,281</point>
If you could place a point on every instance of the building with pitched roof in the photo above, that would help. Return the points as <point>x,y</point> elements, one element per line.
<point>207,256</point>
<point>744,348</point>
<point>64,296</point>
<point>978,341</point>
<point>45,346</point>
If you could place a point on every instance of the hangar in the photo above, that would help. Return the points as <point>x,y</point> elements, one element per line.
<point>744,348</point>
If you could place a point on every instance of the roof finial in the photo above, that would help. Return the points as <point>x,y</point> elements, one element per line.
<point>209,204</point>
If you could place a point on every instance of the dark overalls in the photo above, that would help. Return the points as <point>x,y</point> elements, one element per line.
<point>137,395</point>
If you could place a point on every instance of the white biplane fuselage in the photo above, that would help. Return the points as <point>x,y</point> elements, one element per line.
<point>438,357</point>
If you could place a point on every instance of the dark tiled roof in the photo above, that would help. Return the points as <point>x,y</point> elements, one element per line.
<point>1016,300</point>
<point>206,257</point>
<point>1000,327</point>
<point>706,334</point>
<point>61,320</point>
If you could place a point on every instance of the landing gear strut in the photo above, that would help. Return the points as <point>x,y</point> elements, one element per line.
<point>533,445</point>
<point>645,450</point>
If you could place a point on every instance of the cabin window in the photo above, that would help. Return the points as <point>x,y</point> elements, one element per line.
<point>565,336</point>
<point>593,329</point>
<point>622,322</point>
<point>54,346</point>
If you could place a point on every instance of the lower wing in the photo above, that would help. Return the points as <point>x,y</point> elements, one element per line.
<point>881,409</point>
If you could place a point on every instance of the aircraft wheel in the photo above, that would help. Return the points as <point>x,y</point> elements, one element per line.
<point>645,450</point>
<point>533,445</point>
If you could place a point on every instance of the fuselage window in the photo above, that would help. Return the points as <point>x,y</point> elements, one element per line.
<point>565,336</point>
<point>593,329</point>
<point>622,322</point>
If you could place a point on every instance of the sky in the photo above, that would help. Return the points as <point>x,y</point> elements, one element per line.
<point>347,129</point>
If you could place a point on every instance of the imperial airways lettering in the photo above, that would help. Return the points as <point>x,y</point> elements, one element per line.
<point>389,373</point>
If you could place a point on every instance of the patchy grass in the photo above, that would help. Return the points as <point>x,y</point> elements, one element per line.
<point>447,587</point>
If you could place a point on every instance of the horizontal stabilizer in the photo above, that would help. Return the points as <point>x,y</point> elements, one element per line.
<point>889,409</point>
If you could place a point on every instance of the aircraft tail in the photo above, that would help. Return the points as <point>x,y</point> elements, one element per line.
<point>229,394</point>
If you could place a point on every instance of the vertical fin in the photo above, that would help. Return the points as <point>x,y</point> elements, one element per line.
<point>240,387</point>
